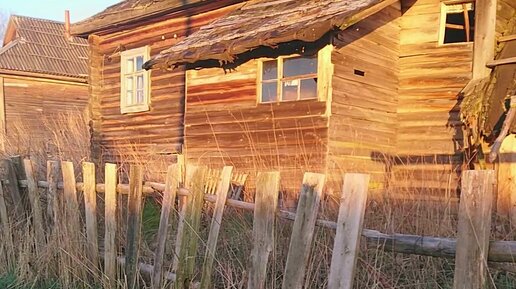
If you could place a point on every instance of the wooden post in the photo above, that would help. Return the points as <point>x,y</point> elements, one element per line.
<point>14,189</point>
<point>110,252</point>
<point>3,122</point>
<point>266,203</point>
<point>349,229</point>
<point>303,230</point>
<point>506,201</point>
<point>195,181</point>
<point>90,208</point>
<point>474,228</point>
<point>134,219</point>
<point>223,187</point>
<point>485,37</point>
<point>182,206</point>
<point>169,198</point>
<point>52,201</point>
<point>7,234</point>
<point>37,214</point>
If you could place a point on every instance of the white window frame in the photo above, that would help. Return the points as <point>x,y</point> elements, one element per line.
<point>138,107</point>
<point>453,6</point>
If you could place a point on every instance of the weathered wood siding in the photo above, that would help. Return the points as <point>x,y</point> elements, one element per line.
<point>429,141</point>
<point>362,129</point>
<point>224,124</point>
<point>144,135</point>
<point>30,103</point>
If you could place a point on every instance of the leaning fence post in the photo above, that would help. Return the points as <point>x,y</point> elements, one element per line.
<point>303,230</point>
<point>474,228</point>
<point>134,220</point>
<point>37,214</point>
<point>349,229</point>
<point>7,234</point>
<point>266,203</point>
<point>110,252</point>
<point>14,189</point>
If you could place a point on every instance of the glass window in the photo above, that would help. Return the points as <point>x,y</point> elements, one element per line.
<point>458,22</point>
<point>135,81</point>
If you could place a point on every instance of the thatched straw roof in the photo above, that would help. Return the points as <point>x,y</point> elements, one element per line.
<point>266,23</point>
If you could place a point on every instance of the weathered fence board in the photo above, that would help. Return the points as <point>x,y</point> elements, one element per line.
<point>7,234</point>
<point>474,229</point>
<point>169,198</point>
<point>110,250</point>
<point>134,219</point>
<point>37,214</point>
<point>266,203</point>
<point>195,181</point>
<point>182,206</point>
<point>222,191</point>
<point>52,201</point>
<point>90,208</point>
<point>303,230</point>
<point>14,189</point>
<point>349,229</point>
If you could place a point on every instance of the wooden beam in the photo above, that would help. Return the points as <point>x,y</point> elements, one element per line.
<point>485,37</point>
<point>504,61</point>
<point>367,12</point>
<point>507,38</point>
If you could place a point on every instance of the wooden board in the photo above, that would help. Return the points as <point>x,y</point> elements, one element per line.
<point>303,231</point>
<point>35,204</point>
<point>90,208</point>
<point>506,201</point>
<point>134,220</point>
<point>110,208</point>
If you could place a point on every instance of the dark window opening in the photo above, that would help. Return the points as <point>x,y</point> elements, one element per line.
<point>459,25</point>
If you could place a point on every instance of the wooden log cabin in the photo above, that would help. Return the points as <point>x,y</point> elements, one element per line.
<point>297,85</point>
<point>43,74</point>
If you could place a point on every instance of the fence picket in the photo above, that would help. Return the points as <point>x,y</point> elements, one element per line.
<point>195,181</point>
<point>37,215</point>
<point>110,252</point>
<point>90,208</point>
<point>349,229</point>
<point>7,234</point>
<point>303,230</point>
<point>266,203</point>
<point>52,201</point>
<point>134,219</point>
<point>14,189</point>
<point>169,198</point>
<point>223,187</point>
<point>474,229</point>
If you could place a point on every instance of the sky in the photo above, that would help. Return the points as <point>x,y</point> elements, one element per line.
<point>54,9</point>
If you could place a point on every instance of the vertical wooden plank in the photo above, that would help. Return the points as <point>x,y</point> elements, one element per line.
<point>2,114</point>
<point>7,234</point>
<point>70,226</point>
<point>169,198</point>
<point>474,228</point>
<point>266,203</point>
<point>182,206</point>
<point>37,214</point>
<point>195,181</point>
<point>134,219</point>
<point>303,230</point>
<point>52,202</point>
<point>506,201</point>
<point>485,37</point>
<point>14,190</point>
<point>110,252</point>
<point>223,186</point>
<point>349,229</point>
<point>90,210</point>
<point>173,218</point>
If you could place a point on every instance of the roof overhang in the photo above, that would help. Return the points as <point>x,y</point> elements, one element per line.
<point>264,23</point>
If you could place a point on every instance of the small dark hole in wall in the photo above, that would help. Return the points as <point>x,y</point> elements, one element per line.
<point>359,72</point>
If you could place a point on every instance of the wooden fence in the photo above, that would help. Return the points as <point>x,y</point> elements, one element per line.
<point>185,193</point>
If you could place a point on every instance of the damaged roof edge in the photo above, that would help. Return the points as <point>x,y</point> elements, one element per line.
<point>273,25</point>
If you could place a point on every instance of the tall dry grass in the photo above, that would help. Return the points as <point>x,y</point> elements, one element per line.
<point>68,139</point>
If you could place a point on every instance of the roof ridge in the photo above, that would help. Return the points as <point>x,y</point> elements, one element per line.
<point>36,18</point>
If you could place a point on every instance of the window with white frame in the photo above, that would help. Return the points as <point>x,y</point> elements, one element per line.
<point>288,79</point>
<point>135,81</point>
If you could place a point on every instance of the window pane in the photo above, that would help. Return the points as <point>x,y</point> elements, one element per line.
<point>299,66</point>
<point>139,82</point>
<point>129,65</point>
<point>309,88</point>
<point>290,90</point>
<point>269,92</point>
<point>139,96</point>
<point>129,97</point>
<point>270,70</point>
<point>129,83</point>
<point>139,63</point>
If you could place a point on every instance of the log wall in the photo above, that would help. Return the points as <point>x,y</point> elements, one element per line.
<point>157,133</point>
<point>362,131</point>
<point>30,103</point>
<point>224,124</point>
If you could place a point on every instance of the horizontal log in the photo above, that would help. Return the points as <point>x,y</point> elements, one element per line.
<point>494,63</point>
<point>499,251</point>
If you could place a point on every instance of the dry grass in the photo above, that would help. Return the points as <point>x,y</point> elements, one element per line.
<point>69,140</point>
